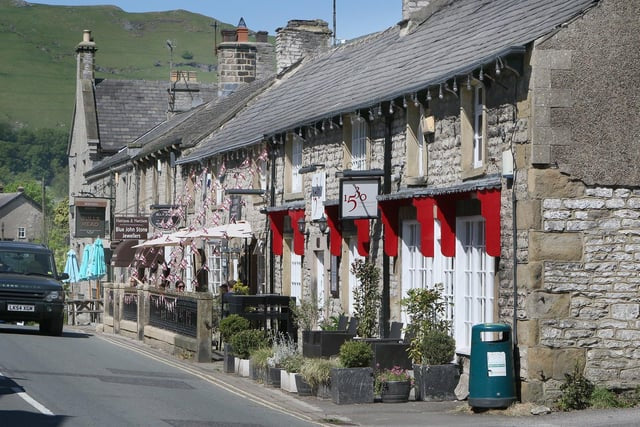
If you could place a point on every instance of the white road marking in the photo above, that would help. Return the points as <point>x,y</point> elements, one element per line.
<point>30,400</point>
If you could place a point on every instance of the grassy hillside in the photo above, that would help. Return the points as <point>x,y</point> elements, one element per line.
<point>37,51</point>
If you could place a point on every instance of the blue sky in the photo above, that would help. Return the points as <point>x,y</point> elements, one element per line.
<point>354,18</point>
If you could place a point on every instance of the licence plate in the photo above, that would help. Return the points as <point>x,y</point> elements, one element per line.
<point>20,307</point>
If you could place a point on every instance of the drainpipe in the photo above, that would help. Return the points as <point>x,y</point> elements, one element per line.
<point>272,203</point>
<point>385,312</point>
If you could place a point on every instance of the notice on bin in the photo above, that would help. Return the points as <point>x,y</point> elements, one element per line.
<point>497,364</point>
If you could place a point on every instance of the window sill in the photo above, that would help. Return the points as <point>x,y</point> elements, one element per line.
<point>416,180</point>
<point>468,173</point>
<point>293,196</point>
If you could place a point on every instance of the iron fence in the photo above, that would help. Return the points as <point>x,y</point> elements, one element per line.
<point>176,314</point>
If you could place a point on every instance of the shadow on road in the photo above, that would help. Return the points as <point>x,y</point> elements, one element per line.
<point>24,418</point>
<point>6,328</point>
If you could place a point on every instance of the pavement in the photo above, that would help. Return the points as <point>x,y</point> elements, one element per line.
<point>324,412</point>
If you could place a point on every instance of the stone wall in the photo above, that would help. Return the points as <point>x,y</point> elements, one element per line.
<point>585,308</point>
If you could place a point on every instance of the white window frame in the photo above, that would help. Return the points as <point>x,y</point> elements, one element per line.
<point>475,272</point>
<point>359,131</point>
<point>216,263</point>
<point>296,164</point>
<point>22,232</point>
<point>478,126</point>
<point>419,271</point>
<point>296,277</point>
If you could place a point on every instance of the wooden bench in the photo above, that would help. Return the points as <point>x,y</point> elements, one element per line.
<point>92,307</point>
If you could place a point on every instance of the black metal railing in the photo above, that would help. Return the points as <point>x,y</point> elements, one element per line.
<point>130,307</point>
<point>176,314</point>
<point>110,303</point>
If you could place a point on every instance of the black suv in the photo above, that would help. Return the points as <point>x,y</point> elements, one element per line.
<point>30,288</point>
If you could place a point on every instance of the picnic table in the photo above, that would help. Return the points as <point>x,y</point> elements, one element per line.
<point>92,307</point>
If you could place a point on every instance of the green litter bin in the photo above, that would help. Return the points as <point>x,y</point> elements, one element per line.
<point>491,375</point>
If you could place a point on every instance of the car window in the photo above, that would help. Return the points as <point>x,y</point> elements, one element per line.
<point>25,263</point>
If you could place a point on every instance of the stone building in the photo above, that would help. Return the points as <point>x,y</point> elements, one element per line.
<point>489,164</point>
<point>461,147</point>
<point>20,217</point>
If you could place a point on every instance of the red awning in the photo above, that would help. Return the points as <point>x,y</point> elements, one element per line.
<point>389,215</point>
<point>276,223</point>
<point>335,235</point>
<point>362,225</point>
<point>298,237</point>
<point>490,210</point>
<point>424,215</point>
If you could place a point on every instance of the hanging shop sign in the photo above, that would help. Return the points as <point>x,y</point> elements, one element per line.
<point>131,227</point>
<point>164,217</point>
<point>358,198</point>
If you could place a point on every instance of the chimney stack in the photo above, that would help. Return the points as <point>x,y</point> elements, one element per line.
<point>409,7</point>
<point>85,53</point>
<point>301,38</point>
<point>241,61</point>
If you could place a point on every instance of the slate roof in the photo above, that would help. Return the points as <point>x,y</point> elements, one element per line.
<point>456,39</point>
<point>186,129</point>
<point>7,198</point>
<point>128,108</point>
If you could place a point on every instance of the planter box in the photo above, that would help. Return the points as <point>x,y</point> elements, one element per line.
<point>303,388</point>
<point>323,391</point>
<point>288,381</point>
<point>242,367</point>
<point>273,376</point>
<point>351,385</point>
<point>256,373</point>
<point>323,343</point>
<point>436,383</point>
<point>229,360</point>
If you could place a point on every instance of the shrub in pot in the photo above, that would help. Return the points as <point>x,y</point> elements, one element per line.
<point>245,341</point>
<point>353,383</point>
<point>230,326</point>
<point>282,346</point>
<point>316,372</point>
<point>290,365</point>
<point>431,347</point>
<point>258,363</point>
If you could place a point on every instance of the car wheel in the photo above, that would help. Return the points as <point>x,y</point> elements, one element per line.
<point>55,327</point>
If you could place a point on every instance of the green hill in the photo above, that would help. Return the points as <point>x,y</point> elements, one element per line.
<point>37,51</point>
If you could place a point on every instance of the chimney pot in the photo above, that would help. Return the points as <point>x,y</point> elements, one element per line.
<point>21,189</point>
<point>262,37</point>
<point>86,36</point>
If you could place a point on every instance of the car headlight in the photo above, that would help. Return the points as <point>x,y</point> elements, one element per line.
<point>54,296</point>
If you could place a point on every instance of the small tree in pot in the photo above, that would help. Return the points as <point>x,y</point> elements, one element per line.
<point>431,347</point>
<point>354,382</point>
<point>366,297</point>
<point>229,326</point>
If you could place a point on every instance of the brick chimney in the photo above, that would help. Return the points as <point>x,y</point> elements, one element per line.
<point>301,38</point>
<point>241,61</point>
<point>85,54</point>
<point>409,7</point>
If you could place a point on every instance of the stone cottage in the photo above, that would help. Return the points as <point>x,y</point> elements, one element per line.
<point>467,142</point>
<point>21,218</point>
<point>488,147</point>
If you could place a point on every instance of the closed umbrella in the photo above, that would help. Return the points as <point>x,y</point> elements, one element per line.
<point>97,266</point>
<point>71,267</point>
<point>83,273</point>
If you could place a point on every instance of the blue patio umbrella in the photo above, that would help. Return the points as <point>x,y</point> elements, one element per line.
<point>97,266</point>
<point>71,267</point>
<point>83,274</point>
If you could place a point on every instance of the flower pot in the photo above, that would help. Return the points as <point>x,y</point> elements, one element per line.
<point>273,377</point>
<point>395,391</point>
<point>351,385</point>
<point>303,387</point>
<point>288,381</point>
<point>229,359</point>
<point>323,391</point>
<point>256,373</point>
<point>242,367</point>
<point>436,383</point>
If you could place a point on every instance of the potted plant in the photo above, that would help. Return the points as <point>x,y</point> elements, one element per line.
<point>290,366</point>
<point>353,383</point>
<point>316,373</point>
<point>258,363</point>
<point>431,347</point>
<point>366,297</point>
<point>283,346</point>
<point>393,385</point>
<point>243,343</point>
<point>230,326</point>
